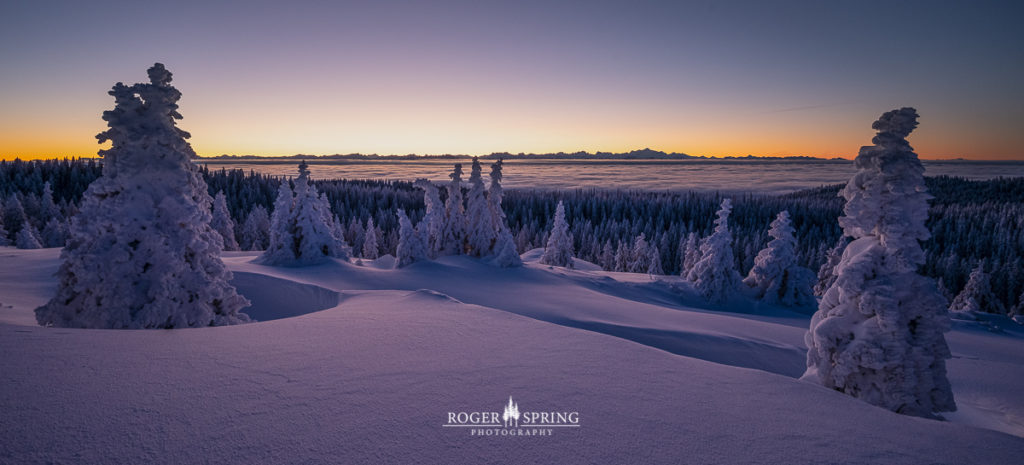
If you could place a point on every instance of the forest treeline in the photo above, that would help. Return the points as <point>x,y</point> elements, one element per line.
<point>972,222</point>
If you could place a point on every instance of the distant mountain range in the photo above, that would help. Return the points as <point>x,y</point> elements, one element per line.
<point>643,154</point>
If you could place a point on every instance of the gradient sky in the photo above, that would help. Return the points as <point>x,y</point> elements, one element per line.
<point>709,78</point>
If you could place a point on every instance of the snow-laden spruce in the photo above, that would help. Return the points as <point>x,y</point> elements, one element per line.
<point>431,227</point>
<point>141,252</point>
<point>689,254</point>
<point>776,278</point>
<point>453,237</point>
<point>878,331</point>
<point>714,276</point>
<point>279,249</point>
<point>976,296</point>
<point>558,251</point>
<point>640,255</point>
<point>410,244</point>
<point>505,252</point>
<point>222,222</point>
<point>28,238</point>
<point>480,226</point>
<point>827,272</point>
<point>255,230</point>
<point>654,261</point>
<point>55,234</point>
<point>301,227</point>
<point>14,215</point>
<point>370,241</point>
<point>3,230</point>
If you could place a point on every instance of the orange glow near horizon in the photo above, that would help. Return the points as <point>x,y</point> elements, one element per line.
<point>231,126</point>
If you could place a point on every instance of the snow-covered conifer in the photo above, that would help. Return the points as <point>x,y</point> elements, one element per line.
<point>608,256</point>
<point>14,214</point>
<point>222,222</point>
<point>495,194</point>
<point>714,276</point>
<point>776,277</point>
<point>690,254</point>
<point>559,249</point>
<point>3,231</point>
<point>827,272</point>
<point>453,238</point>
<point>640,258</point>
<point>279,250</point>
<point>304,236</point>
<point>256,229</point>
<point>431,227</point>
<point>654,261</point>
<point>370,241</point>
<point>48,209</point>
<point>410,246</point>
<point>877,334</point>
<point>480,226</point>
<point>505,252</point>
<point>141,252</point>
<point>55,234</point>
<point>622,254</point>
<point>976,296</point>
<point>28,238</point>
<point>1019,309</point>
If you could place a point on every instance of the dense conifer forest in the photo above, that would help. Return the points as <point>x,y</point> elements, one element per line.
<point>972,222</point>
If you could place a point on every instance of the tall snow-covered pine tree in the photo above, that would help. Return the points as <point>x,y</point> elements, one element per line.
<point>878,331</point>
<point>141,252</point>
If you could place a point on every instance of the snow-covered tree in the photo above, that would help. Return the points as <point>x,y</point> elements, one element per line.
<point>776,277</point>
<point>977,296</point>
<point>480,226</point>
<point>878,332</point>
<point>141,252</point>
<point>827,273</point>
<point>279,250</point>
<point>256,229</point>
<point>28,238</point>
<point>690,254</point>
<point>301,226</point>
<point>505,252</point>
<point>48,209</point>
<point>3,231</point>
<point>607,258</point>
<point>370,242</point>
<point>14,214</point>
<point>1018,310</point>
<point>55,234</point>
<point>495,194</point>
<point>654,261</point>
<point>431,227</point>
<point>714,276</point>
<point>559,249</point>
<point>410,246</point>
<point>640,258</point>
<point>453,237</point>
<point>222,222</point>
<point>622,254</point>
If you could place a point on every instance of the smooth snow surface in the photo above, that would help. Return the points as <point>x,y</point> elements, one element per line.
<point>362,364</point>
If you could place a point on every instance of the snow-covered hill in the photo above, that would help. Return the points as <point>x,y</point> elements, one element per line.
<point>361,364</point>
